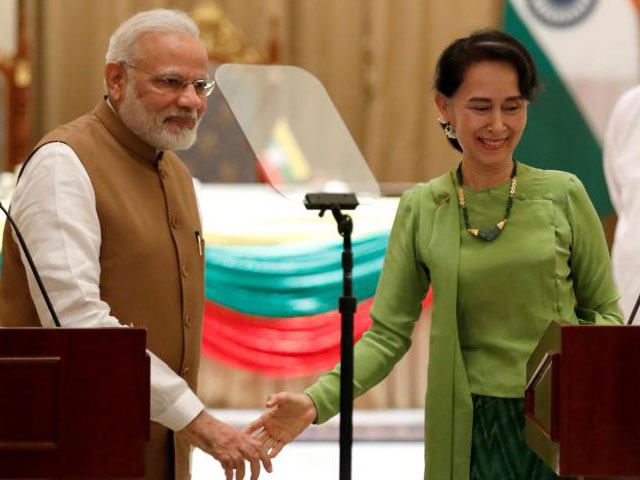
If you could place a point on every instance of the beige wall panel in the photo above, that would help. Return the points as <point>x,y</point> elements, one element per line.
<point>281,11</point>
<point>8,27</point>
<point>398,101</point>
<point>74,41</point>
<point>326,38</point>
<point>404,142</point>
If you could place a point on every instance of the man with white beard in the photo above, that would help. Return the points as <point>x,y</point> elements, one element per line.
<point>111,218</point>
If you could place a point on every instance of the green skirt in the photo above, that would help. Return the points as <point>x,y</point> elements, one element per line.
<point>498,448</point>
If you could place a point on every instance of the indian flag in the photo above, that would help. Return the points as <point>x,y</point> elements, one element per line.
<point>587,53</point>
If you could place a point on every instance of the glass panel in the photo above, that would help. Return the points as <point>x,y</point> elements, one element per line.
<point>295,132</point>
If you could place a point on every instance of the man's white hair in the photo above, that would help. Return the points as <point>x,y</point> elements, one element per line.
<point>123,44</point>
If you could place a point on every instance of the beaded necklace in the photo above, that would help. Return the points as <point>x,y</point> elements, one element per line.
<point>492,233</point>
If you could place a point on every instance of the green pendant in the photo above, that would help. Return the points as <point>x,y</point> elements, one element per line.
<point>488,234</point>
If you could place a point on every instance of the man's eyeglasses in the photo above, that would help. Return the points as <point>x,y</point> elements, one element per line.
<point>176,83</point>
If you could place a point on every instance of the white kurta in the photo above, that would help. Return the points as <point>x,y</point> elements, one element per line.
<point>622,171</point>
<point>54,206</point>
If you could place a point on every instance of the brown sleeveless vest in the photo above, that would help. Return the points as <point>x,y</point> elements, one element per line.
<point>152,272</point>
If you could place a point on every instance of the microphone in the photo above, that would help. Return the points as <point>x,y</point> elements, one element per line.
<point>32,266</point>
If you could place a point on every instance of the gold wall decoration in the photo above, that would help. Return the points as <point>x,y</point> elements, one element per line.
<point>224,42</point>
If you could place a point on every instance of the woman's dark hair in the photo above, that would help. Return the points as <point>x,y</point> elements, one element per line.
<point>480,46</point>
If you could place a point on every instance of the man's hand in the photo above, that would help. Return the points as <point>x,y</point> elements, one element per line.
<point>227,445</point>
<point>289,415</point>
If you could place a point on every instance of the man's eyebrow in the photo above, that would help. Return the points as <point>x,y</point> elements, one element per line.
<point>169,71</point>
<point>488,100</point>
<point>173,72</point>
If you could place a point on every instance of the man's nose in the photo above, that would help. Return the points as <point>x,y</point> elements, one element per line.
<point>189,98</point>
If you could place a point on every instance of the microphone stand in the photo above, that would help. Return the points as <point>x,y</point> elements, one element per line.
<point>634,311</point>
<point>336,202</point>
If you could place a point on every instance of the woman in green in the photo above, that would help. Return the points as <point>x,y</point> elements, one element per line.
<point>507,248</point>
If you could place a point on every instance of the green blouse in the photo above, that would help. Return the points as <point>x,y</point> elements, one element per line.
<point>492,300</point>
<point>509,289</point>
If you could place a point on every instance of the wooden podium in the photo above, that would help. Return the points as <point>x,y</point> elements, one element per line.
<point>582,401</point>
<point>74,403</point>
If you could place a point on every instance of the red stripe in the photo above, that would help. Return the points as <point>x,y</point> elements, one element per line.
<point>635,3</point>
<point>278,347</point>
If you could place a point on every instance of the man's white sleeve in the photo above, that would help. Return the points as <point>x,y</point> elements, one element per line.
<point>55,208</point>
<point>611,153</point>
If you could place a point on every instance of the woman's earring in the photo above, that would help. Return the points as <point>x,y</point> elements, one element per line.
<point>450,131</point>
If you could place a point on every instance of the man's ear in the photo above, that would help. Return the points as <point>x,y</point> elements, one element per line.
<point>443,104</point>
<point>114,79</point>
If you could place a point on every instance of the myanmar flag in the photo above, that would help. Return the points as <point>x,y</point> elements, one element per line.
<point>587,53</point>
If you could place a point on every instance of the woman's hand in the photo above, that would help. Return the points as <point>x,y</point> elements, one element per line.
<point>288,415</point>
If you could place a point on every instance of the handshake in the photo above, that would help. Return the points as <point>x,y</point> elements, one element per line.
<point>287,416</point>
